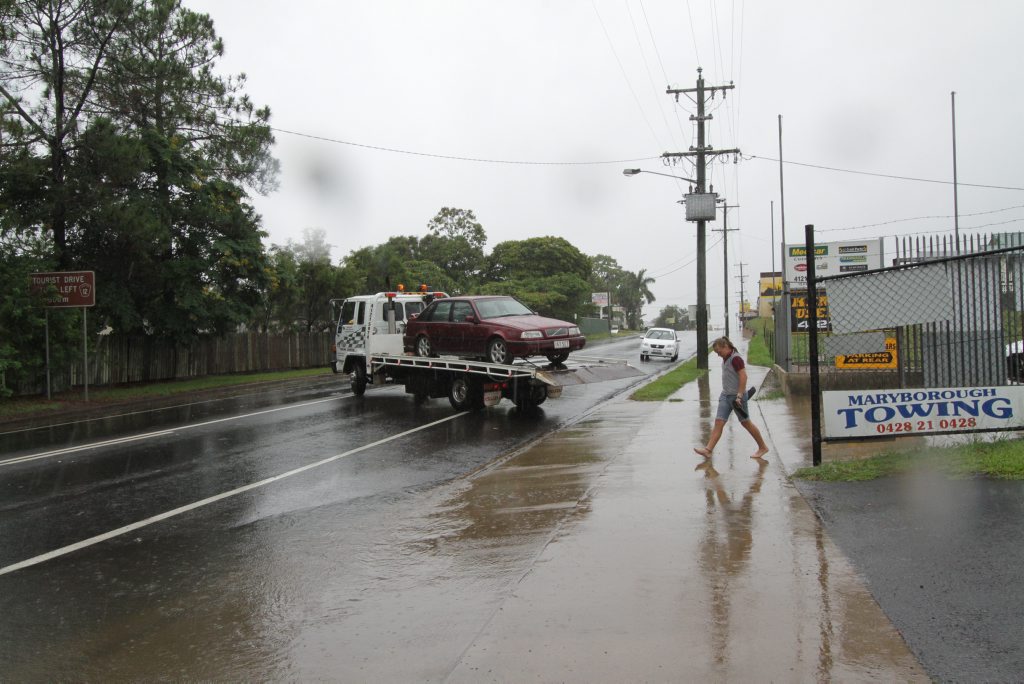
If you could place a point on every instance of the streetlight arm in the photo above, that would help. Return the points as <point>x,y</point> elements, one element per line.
<point>633,172</point>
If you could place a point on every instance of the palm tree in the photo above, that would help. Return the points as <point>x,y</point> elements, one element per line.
<point>636,293</point>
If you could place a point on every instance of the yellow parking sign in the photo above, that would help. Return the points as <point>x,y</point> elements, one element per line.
<point>870,360</point>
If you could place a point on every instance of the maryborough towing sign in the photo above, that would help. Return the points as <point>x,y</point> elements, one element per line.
<point>892,413</point>
<point>66,288</point>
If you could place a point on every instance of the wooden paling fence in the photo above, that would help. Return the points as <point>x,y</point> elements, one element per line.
<point>118,360</point>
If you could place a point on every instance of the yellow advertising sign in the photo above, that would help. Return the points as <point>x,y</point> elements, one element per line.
<point>870,360</point>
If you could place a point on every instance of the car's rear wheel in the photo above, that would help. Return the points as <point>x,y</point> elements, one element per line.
<point>424,347</point>
<point>497,351</point>
<point>558,358</point>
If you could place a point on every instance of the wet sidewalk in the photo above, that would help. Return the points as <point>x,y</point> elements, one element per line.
<point>669,567</point>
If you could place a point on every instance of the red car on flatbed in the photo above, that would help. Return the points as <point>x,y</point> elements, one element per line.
<point>497,329</point>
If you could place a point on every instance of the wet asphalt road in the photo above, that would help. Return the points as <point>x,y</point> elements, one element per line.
<point>219,541</point>
<point>944,559</point>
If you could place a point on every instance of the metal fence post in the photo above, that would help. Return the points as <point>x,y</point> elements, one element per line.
<point>812,352</point>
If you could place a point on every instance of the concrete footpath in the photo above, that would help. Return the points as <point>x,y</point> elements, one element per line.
<point>670,567</point>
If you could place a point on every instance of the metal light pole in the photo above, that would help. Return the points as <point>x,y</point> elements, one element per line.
<point>633,172</point>
<point>701,315</point>
<point>956,205</point>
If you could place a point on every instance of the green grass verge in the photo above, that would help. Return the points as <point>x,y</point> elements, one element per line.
<point>101,395</point>
<point>1002,460</point>
<point>757,350</point>
<point>662,388</point>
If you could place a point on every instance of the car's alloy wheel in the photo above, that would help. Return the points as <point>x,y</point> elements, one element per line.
<point>423,346</point>
<point>497,351</point>
<point>558,358</point>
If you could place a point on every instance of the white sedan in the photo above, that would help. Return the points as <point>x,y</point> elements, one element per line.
<point>659,343</point>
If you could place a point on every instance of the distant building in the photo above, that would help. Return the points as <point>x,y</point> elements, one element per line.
<point>769,291</point>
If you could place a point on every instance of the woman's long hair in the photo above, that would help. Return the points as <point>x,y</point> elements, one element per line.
<point>723,342</point>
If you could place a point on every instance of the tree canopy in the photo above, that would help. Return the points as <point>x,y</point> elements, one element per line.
<point>124,151</point>
<point>134,157</point>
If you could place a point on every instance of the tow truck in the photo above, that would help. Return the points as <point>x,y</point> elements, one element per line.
<point>368,348</point>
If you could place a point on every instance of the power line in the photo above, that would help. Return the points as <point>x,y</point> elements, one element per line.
<point>920,218</point>
<point>884,175</point>
<point>625,76</point>
<point>693,34</point>
<point>679,268</point>
<point>457,158</point>
<point>650,78</point>
<point>650,32</point>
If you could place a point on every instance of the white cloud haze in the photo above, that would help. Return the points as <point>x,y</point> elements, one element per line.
<point>860,86</point>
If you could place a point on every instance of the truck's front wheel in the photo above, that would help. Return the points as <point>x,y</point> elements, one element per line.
<point>359,380</point>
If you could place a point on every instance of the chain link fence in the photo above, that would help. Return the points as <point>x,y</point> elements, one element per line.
<point>945,321</point>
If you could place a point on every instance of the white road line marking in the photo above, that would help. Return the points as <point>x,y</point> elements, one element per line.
<point>209,500</point>
<point>86,447</point>
<point>148,435</point>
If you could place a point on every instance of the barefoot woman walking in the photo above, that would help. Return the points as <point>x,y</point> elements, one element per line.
<point>733,398</point>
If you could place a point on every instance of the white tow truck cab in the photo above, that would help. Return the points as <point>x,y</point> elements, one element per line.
<point>368,348</point>
<point>373,324</point>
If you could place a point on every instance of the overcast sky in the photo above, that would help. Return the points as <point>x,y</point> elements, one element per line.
<point>561,95</point>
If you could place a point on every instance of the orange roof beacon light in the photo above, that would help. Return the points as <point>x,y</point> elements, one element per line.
<point>423,287</point>
<point>401,287</point>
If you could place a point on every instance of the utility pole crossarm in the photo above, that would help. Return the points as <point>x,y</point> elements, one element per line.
<point>692,153</point>
<point>679,91</point>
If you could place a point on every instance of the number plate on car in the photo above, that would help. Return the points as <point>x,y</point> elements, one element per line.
<point>561,344</point>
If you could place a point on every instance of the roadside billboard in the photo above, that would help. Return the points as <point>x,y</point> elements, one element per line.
<point>831,258</point>
<point>800,314</point>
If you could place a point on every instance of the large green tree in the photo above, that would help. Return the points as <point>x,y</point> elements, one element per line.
<point>671,316</point>
<point>148,156</point>
<point>317,281</point>
<point>204,142</point>
<point>607,276</point>
<point>548,274</point>
<point>455,245</point>
<point>52,54</point>
<point>23,318</point>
